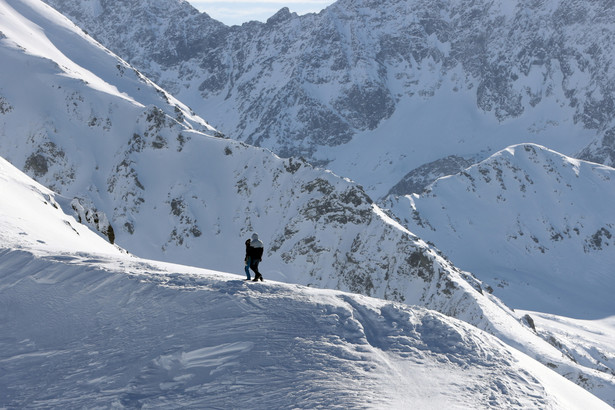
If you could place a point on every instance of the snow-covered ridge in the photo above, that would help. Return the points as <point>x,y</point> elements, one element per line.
<point>83,324</point>
<point>147,335</point>
<point>526,216</point>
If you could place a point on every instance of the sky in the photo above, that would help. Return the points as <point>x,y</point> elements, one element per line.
<point>236,12</point>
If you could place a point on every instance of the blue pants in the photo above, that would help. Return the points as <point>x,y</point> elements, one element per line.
<point>247,268</point>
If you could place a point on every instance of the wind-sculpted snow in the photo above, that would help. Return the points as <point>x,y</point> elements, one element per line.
<point>124,332</point>
<point>393,86</point>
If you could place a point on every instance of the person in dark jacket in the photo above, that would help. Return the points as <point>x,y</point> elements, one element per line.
<point>255,254</point>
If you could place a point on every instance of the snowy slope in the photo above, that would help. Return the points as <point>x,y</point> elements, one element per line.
<point>138,160</point>
<point>83,324</point>
<point>535,224</point>
<point>32,219</point>
<point>587,341</point>
<point>538,227</point>
<point>142,335</point>
<point>377,90</point>
<point>30,27</point>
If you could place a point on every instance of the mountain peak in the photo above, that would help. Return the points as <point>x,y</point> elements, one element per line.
<point>282,15</point>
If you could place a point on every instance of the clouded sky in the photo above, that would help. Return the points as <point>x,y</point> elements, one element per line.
<point>232,12</point>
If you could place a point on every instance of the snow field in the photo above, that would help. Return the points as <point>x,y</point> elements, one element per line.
<point>124,332</point>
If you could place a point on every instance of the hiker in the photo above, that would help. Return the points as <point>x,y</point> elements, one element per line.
<point>254,251</point>
<point>247,260</point>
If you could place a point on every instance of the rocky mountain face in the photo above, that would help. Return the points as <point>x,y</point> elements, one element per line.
<point>602,150</point>
<point>376,90</point>
<point>421,177</point>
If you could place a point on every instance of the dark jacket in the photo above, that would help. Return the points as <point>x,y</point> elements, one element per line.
<point>247,247</point>
<point>255,253</point>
